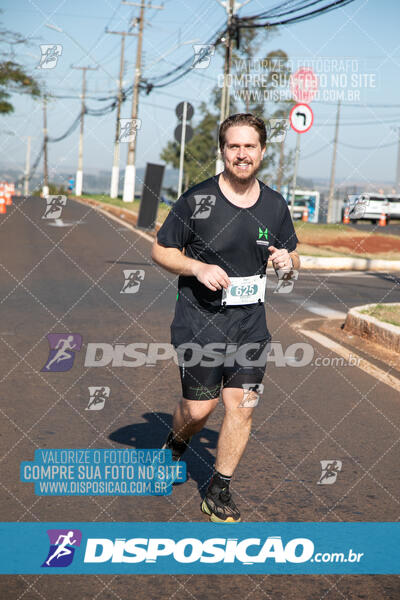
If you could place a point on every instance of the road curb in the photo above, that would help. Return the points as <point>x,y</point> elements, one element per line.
<point>370,327</point>
<point>345,263</point>
<point>339,263</point>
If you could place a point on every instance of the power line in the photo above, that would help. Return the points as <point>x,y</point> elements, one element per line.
<point>316,151</point>
<point>368,147</point>
<point>252,21</point>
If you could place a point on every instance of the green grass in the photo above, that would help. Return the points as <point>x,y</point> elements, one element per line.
<point>163,209</point>
<point>383,312</point>
<point>322,227</point>
<point>134,206</point>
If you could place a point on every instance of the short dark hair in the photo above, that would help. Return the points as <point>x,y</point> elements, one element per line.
<point>243,119</point>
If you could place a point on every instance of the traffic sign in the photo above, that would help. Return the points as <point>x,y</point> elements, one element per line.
<point>188,133</point>
<point>189,111</point>
<point>304,84</point>
<point>301,118</point>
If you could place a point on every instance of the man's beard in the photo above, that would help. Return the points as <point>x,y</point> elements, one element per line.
<point>241,180</point>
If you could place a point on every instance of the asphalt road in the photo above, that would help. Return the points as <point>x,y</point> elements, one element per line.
<point>66,277</point>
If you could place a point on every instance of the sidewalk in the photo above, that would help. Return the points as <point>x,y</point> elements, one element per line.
<point>372,328</point>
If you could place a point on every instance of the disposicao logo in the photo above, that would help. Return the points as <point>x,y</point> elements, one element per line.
<point>191,550</point>
<point>62,547</point>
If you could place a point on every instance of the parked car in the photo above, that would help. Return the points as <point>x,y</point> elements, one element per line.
<point>368,207</point>
<point>394,201</point>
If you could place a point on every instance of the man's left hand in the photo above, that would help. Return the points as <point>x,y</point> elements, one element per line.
<point>281,258</point>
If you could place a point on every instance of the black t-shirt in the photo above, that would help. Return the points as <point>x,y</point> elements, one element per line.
<point>215,231</point>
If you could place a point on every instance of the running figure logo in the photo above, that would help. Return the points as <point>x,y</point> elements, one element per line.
<point>202,55</point>
<point>330,470</point>
<point>277,129</point>
<point>127,129</point>
<point>286,281</point>
<point>98,397</point>
<point>50,54</point>
<point>133,280</point>
<point>358,208</point>
<point>62,547</point>
<point>251,394</point>
<point>62,351</point>
<point>54,207</point>
<point>204,204</point>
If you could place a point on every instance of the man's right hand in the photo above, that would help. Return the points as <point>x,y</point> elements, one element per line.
<point>212,276</point>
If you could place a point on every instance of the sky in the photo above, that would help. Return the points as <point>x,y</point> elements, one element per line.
<point>354,50</point>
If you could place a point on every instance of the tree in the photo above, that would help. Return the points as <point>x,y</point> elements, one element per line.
<point>246,96</point>
<point>13,77</point>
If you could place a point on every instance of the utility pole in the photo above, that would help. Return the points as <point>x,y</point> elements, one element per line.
<point>115,168</point>
<point>229,6</point>
<point>397,182</point>
<point>27,166</point>
<point>280,168</point>
<point>130,171</point>
<point>45,189</point>
<point>182,154</point>
<point>79,173</point>
<point>332,182</point>
<point>294,180</point>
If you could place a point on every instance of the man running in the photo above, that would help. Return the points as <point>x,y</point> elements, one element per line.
<point>218,237</point>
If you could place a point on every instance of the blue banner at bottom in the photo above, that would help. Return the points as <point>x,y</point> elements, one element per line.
<point>194,548</point>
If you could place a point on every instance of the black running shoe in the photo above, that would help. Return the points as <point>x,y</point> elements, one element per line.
<point>178,448</point>
<point>218,504</point>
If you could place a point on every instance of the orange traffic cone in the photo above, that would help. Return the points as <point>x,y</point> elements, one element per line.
<point>8,192</point>
<point>346,218</point>
<point>305,215</point>
<point>3,208</point>
<point>382,220</point>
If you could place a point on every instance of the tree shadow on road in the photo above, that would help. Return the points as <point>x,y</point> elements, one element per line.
<point>152,434</point>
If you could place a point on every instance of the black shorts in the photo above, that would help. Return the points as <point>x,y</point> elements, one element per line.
<point>203,372</point>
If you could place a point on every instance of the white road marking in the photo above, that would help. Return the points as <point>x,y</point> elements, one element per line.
<point>317,309</point>
<point>146,236</point>
<point>362,364</point>
<point>352,274</point>
<point>61,223</point>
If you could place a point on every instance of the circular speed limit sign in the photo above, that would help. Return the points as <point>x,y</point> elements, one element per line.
<point>301,118</point>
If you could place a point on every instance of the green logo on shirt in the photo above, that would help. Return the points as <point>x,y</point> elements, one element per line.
<point>262,233</point>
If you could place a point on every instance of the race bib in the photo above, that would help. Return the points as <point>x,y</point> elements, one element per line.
<point>244,290</point>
